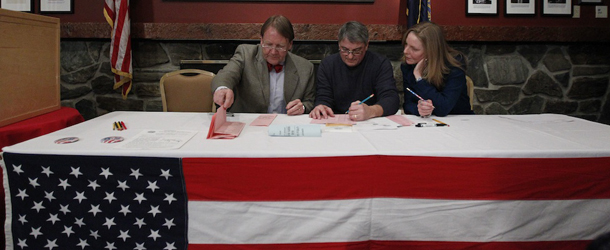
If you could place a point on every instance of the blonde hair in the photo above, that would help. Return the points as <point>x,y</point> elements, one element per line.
<point>439,54</point>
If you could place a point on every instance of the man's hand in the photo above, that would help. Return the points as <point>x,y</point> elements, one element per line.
<point>295,107</point>
<point>224,97</point>
<point>321,111</point>
<point>362,112</point>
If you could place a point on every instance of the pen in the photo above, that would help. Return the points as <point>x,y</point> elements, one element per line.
<point>423,124</point>
<point>440,122</point>
<point>123,124</point>
<point>361,102</point>
<point>415,94</point>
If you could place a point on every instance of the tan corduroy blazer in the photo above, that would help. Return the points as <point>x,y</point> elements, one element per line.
<point>247,75</point>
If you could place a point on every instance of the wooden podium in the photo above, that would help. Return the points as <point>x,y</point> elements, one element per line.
<point>29,65</point>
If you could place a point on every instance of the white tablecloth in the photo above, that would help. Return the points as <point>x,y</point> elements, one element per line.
<point>500,182</point>
<point>507,136</point>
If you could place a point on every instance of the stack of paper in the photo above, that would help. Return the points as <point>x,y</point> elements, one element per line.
<point>220,128</point>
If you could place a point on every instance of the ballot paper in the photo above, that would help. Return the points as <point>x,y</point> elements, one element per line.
<point>220,128</point>
<point>401,120</point>
<point>263,120</point>
<point>303,130</point>
<point>338,119</point>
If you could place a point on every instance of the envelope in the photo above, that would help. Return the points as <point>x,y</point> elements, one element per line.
<point>263,120</point>
<point>403,121</point>
<point>220,128</point>
<point>338,119</point>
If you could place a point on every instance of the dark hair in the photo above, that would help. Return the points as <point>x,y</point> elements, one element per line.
<point>355,32</point>
<point>281,24</point>
<point>602,242</point>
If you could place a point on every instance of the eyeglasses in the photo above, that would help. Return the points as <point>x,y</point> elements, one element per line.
<point>346,51</point>
<point>270,47</point>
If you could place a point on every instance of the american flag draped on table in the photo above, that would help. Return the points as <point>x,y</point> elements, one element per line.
<point>326,203</point>
<point>117,15</point>
<point>418,11</point>
<point>90,202</point>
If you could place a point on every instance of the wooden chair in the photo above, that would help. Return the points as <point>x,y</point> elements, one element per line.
<point>187,90</point>
<point>470,88</point>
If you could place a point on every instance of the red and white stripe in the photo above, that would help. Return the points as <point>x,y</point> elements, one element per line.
<point>394,202</point>
<point>117,15</point>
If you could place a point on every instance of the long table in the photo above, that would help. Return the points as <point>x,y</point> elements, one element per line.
<point>484,182</point>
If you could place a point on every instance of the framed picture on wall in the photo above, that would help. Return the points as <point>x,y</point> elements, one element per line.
<point>557,7</point>
<point>339,1</point>
<point>481,7</point>
<point>589,1</point>
<point>56,6</point>
<point>18,5</point>
<point>520,7</point>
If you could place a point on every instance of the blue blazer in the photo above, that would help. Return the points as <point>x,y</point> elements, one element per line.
<point>452,99</point>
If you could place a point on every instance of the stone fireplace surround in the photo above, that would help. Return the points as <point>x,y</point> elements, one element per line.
<point>516,70</point>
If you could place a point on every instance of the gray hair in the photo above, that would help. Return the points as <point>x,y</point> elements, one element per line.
<point>355,32</point>
<point>281,24</point>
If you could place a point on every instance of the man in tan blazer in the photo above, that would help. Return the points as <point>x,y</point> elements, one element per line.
<point>267,78</point>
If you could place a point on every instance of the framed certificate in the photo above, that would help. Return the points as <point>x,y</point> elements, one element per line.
<point>481,7</point>
<point>589,1</point>
<point>557,7</point>
<point>18,5</point>
<point>56,6</point>
<point>520,7</point>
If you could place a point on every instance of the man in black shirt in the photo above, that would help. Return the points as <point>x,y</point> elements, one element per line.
<point>346,78</point>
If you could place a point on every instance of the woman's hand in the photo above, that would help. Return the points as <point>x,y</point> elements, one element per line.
<point>419,68</point>
<point>425,107</point>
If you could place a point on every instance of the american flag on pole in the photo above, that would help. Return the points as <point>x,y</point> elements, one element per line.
<point>418,11</point>
<point>117,15</point>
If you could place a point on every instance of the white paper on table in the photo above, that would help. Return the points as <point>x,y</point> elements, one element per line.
<point>333,127</point>
<point>303,130</point>
<point>158,139</point>
<point>379,123</point>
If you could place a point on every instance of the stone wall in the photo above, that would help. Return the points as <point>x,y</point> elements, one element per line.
<point>510,78</point>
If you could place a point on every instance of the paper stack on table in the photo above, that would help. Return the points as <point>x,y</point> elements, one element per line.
<point>220,128</point>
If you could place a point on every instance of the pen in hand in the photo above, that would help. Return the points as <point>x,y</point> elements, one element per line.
<point>415,94</point>
<point>361,102</point>
<point>420,98</point>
